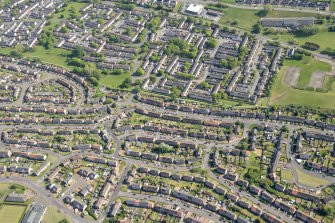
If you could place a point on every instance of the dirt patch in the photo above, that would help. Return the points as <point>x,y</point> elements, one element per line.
<point>292,75</point>
<point>317,79</point>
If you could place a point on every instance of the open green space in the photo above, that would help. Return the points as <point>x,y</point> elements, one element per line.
<point>323,38</point>
<point>113,81</point>
<point>332,6</point>
<point>282,94</point>
<point>52,215</point>
<point>286,175</point>
<point>53,55</point>
<point>11,213</point>
<point>247,18</point>
<point>310,180</point>
<point>308,66</point>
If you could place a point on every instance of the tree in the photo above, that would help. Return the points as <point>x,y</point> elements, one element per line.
<point>47,39</point>
<point>126,83</point>
<point>78,52</point>
<point>266,10</point>
<point>205,85</point>
<point>139,72</point>
<point>64,29</point>
<point>257,28</point>
<point>307,30</point>
<point>163,148</point>
<point>211,43</point>
<point>175,92</point>
<point>113,39</point>
<point>16,54</point>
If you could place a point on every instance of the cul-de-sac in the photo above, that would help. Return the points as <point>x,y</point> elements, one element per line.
<point>167,111</point>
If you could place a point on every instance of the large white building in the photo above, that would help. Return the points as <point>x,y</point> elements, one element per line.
<point>194,9</point>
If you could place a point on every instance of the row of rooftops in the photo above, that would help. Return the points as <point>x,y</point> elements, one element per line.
<point>174,131</point>
<point>241,114</point>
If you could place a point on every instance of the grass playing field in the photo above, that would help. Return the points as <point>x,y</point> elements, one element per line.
<point>11,213</point>
<point>308,66</point>
<point>283,94</point>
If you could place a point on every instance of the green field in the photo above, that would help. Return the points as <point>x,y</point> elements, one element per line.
<point>308,66</point>
<point>310,180</point>
<point>52,215</point>
<point>112,81</point>
<point>323,38</point>
<point>53,55</point>
<point>11,213</point>
<point>281,94</point>
<point>286,174</point>
<point>248,17</point>
<point>332,6</point>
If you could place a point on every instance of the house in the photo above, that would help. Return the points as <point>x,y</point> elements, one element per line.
<point>231,177</point>
<point>115,208</point>
<point>105,190</point>
<point>187,178</point>
<point>68,180</point>
<point>220,191</point>
<point>5,154</point>
<point>79,205</point>
<point>164,190</point>
<point>140,203</point>
<point>169,211</point>
<point>242,183</point>
<point>285,207</point>
<point>228,214</point>
<point>305,217</point>
<point>135,186</point>
<point>98,203</point>
<point>267,197</point>
<point>280,187</point>
<point>232,197</point>
<point>150,188</point>
<point>255,190</point>
<point>209,184</point>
